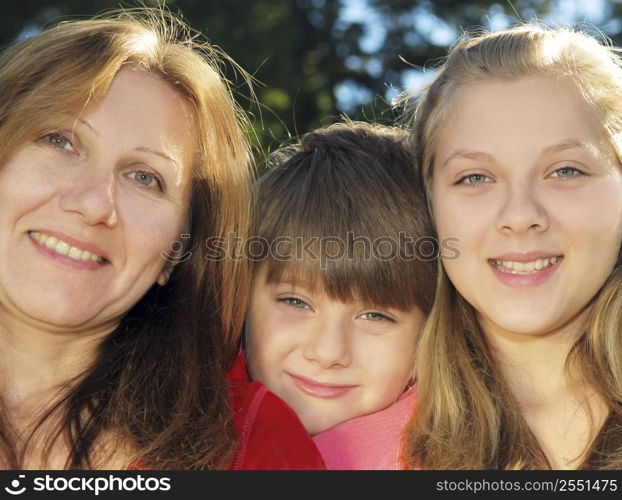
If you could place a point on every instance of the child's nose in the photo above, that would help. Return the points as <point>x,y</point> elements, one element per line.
<point>329,344</point>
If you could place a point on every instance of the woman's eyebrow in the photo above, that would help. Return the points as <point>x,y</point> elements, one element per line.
<point>145,149</point>
<point>87,124</point>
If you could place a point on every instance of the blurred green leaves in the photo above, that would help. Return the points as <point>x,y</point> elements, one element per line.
<point>314,60</point>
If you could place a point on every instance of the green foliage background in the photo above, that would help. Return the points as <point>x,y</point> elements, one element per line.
<point>301,51</point>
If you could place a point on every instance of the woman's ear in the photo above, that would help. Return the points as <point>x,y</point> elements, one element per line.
<point>179,254</point>
<point>165,274</point>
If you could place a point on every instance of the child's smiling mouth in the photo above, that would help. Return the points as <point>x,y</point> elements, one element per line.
<point>320,389</point>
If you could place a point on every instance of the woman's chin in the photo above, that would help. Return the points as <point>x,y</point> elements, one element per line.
<point>57,314</point>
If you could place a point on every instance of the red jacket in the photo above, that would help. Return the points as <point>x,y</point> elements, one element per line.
<point>271,435</point>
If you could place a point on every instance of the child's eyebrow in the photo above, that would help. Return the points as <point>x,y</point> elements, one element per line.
<point>294,282</point>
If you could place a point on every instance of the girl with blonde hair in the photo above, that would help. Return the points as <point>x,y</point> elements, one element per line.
<point>518,142</point>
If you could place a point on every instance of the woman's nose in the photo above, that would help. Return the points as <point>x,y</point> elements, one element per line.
<point>92,195</point>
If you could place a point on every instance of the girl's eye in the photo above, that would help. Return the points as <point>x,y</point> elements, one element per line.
<point>58,141</point>
<point>374,316</point>
<point>147,179</point>
<point>566,173</point>
<point>474,179</point>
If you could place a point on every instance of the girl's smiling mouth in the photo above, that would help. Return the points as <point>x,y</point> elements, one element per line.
<point>528,269</point>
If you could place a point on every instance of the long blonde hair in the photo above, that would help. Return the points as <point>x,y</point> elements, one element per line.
<point>159,378</point>
<point>467,417</point>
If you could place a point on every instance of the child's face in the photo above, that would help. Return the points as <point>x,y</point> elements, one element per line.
<point>330,361</point>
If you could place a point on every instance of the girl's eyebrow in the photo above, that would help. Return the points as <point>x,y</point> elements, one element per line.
<point>470,155</point>
<point>484,157</point>
<point>569,144</point>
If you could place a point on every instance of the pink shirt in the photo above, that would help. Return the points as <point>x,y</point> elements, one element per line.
<point>370,442</point>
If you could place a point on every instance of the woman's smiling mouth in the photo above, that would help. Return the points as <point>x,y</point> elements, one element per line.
<point>65,249</point>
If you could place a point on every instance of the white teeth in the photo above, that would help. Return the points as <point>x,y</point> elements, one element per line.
<point>50,242</point>
<point>63,248</point>
<point>86,256</point>
<point>75,253</point>
<point>525,267</point>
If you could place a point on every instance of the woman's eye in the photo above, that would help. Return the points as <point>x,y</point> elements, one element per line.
<point>474,179</point>
<point>294,302</point>
<point>147,179</point>
<point>58,141</point>
<point>566,173</point>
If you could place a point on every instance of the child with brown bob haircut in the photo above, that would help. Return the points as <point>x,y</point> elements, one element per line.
<point>341,288</point>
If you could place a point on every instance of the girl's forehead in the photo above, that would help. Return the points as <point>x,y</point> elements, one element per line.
<point>528,114</point>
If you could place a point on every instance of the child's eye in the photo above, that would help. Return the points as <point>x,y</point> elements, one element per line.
<point>146,179</point>
<point>474,179</point>
<point>567,173</point>
<point>374,316</point>
<point>59,141</point>
<point>294,302</point>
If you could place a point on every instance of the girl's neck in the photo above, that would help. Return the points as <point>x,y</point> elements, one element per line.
<point>563,411</point>
<point>535,365</point>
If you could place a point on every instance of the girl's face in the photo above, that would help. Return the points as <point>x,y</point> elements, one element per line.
<point>330,361</point>
<point>87,210</point>
<point>526,180</point>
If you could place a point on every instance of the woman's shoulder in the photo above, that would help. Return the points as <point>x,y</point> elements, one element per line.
<point>271,435</point>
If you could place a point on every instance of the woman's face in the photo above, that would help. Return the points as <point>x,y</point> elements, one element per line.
<point>87,209</point>
<point>526,180</point>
